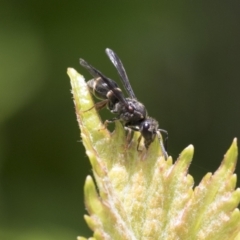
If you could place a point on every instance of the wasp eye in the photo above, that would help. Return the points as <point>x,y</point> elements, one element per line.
<point>146,126</point>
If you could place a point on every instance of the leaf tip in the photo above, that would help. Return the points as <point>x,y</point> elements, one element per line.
<point>187,153</point>
<point>230,158</point>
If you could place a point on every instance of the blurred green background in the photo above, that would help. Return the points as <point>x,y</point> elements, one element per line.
<point>183,61</point>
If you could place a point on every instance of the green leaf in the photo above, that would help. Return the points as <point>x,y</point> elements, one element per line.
<point>140,195</point>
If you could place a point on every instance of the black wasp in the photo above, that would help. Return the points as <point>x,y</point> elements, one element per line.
<point>129,110</point>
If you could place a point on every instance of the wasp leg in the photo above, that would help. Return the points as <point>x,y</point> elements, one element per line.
<point>99,105</point>
<point>106,122</point>
<point>129,136</point>
<point>165,154</point>
<point>166,138</point>
<point>139,140</point>
<point>135,129</point>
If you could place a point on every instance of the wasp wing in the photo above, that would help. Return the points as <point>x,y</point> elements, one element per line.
<point>121,71</point>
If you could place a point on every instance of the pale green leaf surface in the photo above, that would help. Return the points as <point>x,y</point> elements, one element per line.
<point>140,195</point>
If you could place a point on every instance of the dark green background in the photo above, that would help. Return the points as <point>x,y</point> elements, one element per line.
<point>183,61</point>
